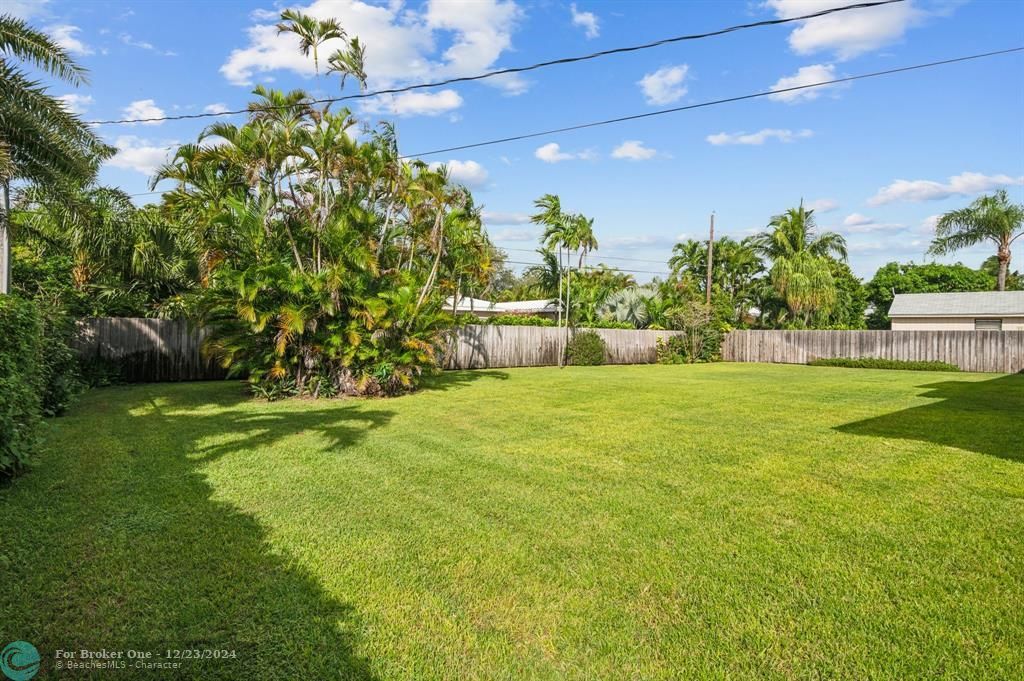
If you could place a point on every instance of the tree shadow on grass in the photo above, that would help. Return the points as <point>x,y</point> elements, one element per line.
<point>979,416</point>
<point>456,378</point>
<point>119,542</point>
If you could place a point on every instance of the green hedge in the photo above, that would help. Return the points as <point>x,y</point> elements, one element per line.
<point>520,320</point>
<point>875,363</point>
<point>38,376</point>
<point>21,382</point>
<point>586,348</point>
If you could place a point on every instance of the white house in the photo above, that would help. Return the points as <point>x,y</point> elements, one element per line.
<point>486,308</point>
<point>986,311</point>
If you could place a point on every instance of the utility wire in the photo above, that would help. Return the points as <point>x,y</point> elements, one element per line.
<point>515,69</point>
<point>603,257</point>
<point>662,112</point>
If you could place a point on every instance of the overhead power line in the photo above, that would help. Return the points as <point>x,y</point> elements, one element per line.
<point>516,69</point>
<point>603,257</point>
<point>677,109</point>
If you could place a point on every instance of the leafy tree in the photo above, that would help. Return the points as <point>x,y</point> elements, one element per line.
<point>41,142</point>
<point>800,272</point>
<point>925,278</point>
<point>988,219</point>
<point>736,271</point>
<point>1014,280</point>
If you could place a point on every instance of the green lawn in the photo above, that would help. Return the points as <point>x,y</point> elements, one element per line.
<point>739,521</point>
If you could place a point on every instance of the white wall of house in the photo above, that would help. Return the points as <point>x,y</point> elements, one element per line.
<point>951,323</point>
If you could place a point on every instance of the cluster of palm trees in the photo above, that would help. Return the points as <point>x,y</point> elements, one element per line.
<point>564,233</point>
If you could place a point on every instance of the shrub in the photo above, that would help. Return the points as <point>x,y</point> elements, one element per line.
<point>60,375</point>
<point>585,348</point>
<point>875,363</point>
<point>520,320</point>
<point>700,340</point>
<point>21,382</point>
<point>609,324</point>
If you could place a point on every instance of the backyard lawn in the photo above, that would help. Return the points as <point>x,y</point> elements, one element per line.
<point>641,522</point>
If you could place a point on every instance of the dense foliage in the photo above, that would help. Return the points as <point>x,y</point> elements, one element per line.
<point>876,363</point>
<point>21,382</point>
<point>519,320</point>
<point>585,348</point>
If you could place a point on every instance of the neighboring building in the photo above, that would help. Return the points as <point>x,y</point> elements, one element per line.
<point>987,311</point>
<point>485,308</point>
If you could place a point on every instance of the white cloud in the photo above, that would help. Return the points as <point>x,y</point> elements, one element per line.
<point>64,35</point>
<point>26,9</point>
<point>131,41</point>
<point>856,223</point>
<point>142,156</point>
<point>634,150</point>
<point>76,104</point>
<point>414,103</point>
<point>504,218</point>
<point>586,20</point>
<point>516,234</point>
<point>927,225</point>
<point>144,108</point>
<point>823,205</point>
<point>552,153</point>
<point>758,138</point>
<point>964,184</point>
<point>849,33</point>
<point>401,41</point>
<point>664,86</point>
<point>469,173</point>
<point>217,107</point>
<point>806,75</point>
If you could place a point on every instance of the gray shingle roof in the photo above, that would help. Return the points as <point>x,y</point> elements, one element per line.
<point>996,303</point>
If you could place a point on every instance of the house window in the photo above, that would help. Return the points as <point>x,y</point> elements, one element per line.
<point>988,324</point>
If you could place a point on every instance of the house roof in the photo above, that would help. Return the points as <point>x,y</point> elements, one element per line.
<point>466,304</point>
<point>987,303</point>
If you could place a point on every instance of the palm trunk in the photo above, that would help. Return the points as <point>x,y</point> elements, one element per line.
<point>559,286</point>
<point>1004,266</point>
<point>5,241</point>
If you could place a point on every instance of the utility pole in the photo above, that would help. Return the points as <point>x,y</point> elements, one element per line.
<point>5,241</point>
<point>711,255</point>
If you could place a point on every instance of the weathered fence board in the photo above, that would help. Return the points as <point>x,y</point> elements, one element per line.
<point>169,350</point>
<point>487,346</point>
<point>147,349</point>
<point>995,351</point>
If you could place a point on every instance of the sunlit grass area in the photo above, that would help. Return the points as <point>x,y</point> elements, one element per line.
<point>740,521</point>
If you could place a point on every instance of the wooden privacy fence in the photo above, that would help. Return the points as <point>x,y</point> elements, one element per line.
<point>995,351</point>
<point>487,346</point>
<point>169,350</point>
<point>146,349</point>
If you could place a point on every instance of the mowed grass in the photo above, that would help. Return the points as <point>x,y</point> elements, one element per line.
<point>725,521</point>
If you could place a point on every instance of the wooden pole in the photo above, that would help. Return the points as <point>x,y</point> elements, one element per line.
<point>711,255</point>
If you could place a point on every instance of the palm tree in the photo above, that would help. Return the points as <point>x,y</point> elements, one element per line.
<point>555,228</point>
<point>40,140</point>
<point>989,218</point>
<point>312,32</point>
<point>800,272</point>
<point>349,62</point>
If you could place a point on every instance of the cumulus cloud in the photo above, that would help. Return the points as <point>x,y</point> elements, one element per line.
<point>76,104</point>
<point>414,103</point>
<point>469,173</point>
<point>758,138</point>
<point>516,234</point>
<point>857,223</point>
<point>64,35</point>
<point>927,225</point>
<point>854,219</point>
<point>664,86</point>
<point>401,41</point>
<point>823,205</point>
<point>634,150</point>
<point>216,107</point>
<point>144,108</point>
<point>964,184</point>
<point>806,75</point>
<point>846,34</point>
<point>142,156</point>
<point>552,153</point>
<point>586,20</point>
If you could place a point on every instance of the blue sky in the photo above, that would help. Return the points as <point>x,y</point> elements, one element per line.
<point>879,158</point>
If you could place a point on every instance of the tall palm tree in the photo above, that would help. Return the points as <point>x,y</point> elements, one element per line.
<point>312,32</point>
<point>989,218</point>
<point>40,140</point>
<point>800,272</point>
<point>550,215</point>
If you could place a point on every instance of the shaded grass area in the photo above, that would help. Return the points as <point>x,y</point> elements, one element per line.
<point>747,521</point>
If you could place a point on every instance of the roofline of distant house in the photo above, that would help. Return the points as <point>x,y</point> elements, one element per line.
<point>932,315</point>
